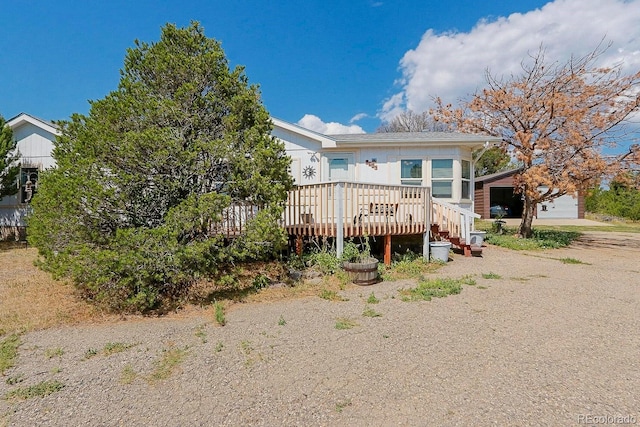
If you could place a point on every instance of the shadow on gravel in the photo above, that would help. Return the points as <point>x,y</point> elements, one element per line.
<point>608,240</point>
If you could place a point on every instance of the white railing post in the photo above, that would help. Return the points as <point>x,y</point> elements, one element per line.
<point>339,210</point>
<point>427,215</point>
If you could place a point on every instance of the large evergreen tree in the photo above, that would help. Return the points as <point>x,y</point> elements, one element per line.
<point>142,180</point>
<point>9,166</point>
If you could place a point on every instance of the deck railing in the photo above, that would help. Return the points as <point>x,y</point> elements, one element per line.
<point>458,221</point>
<point>345,209</point>
<point>356,208</point>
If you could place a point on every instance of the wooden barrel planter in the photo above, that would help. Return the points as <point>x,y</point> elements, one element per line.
<point>363,272</point>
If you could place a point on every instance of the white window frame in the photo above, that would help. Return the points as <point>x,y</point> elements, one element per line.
<point>450,180</point>
<point>467,180</point>
<point>351,165</point>
<point>418,181</point>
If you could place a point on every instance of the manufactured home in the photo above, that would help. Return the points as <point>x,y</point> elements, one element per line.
<point>380,184</point>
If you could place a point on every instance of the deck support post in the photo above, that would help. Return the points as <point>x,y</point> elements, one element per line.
<point>299,245</point>
<point>387,250</point>
<point>339,210</point>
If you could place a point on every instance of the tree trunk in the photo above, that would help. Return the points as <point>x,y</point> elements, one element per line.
<point>529,211</point>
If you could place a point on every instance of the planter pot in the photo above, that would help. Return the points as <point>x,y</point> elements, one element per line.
<point>363,272</point>
<point>440,251</point>
<point>477,238</point>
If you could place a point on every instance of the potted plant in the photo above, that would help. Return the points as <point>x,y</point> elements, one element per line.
<point>358,262</point>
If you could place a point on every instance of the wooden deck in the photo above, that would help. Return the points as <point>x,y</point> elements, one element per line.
<point>343,209</point>
<point>347,209</point>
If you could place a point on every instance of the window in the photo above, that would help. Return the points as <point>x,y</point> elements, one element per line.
<point>28,184</point>
<point>340,167</point>
<point>411,172</point>
<point>442,178</point>
<point>466,179</point>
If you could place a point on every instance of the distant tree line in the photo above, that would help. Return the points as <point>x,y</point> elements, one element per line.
<point>621,199</point>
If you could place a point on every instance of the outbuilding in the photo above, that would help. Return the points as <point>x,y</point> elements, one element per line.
<point>495,197</point>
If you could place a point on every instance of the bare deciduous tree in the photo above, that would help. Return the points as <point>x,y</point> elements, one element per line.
<point>410,121</point>
<point>557,118</point>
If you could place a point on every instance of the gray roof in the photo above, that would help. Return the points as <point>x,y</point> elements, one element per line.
<point>497,175</point>
<point>412,137</point>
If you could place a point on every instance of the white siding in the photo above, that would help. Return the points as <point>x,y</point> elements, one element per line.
<point>563,207</point>
<point>35,145</point>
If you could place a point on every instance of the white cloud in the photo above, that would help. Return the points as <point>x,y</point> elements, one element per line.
<point>358,116</point>
<point>314,123</point>
<point>453,65</point>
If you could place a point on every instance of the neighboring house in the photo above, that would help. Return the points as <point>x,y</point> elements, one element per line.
<point>34,139</point>
<point>439,160</point>
<point>494,194</point>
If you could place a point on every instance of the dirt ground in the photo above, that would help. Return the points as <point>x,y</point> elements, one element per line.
<point>537,341</point>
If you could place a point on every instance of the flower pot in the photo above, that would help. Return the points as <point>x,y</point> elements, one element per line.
<point>364,272</point>
<point>477,238</point>
<point>440,251</point>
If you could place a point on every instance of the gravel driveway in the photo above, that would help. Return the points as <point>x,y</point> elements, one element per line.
<point>547,343</point>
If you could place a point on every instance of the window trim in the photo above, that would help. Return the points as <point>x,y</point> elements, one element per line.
<point>450,180</point>
<point>419,181</point>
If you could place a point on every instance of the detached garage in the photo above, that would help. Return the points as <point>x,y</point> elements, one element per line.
<point>494,196</point>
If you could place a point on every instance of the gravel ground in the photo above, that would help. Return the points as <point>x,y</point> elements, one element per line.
<point>548,343</point>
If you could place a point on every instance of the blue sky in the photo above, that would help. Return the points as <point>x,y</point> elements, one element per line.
<point>333,66</point>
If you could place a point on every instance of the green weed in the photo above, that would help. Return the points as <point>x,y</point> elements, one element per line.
<point>330,295</point>
<point>128,375</point>
<point>343,404</point>
<point>167,364</point>
<point>440,287</point>
<point>491,276</point>
<point>50,353</point>
<point>372,299</point>
<point>15,380</point>
<point>281,321</point>
<point>201,333</point>
<point>541,239</point>
<point>369,312</point>
<point>345,323</point>
<point>115,347</point>
<point>570,261</point>
<point>42,389</point>
<point>90,353</point>
<point>219,313</point>
<point>9,352</point>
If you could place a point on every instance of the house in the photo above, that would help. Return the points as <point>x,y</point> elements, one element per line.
<point>381,184</point>
<point>34,138</point>
<point>441,161</point>
<point>495,196</point>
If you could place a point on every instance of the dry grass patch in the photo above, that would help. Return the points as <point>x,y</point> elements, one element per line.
<point>30,299</point>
